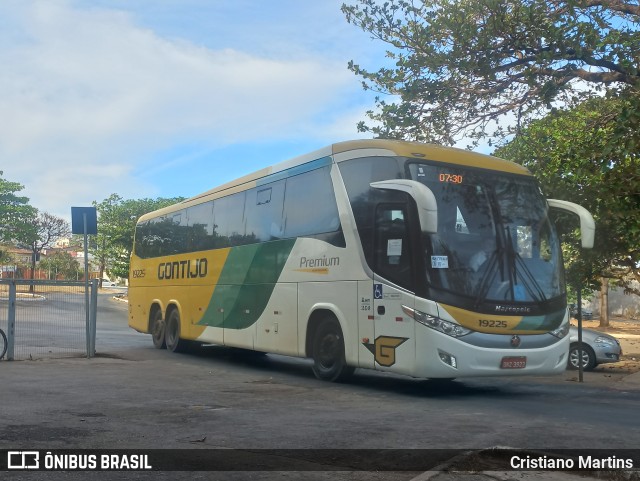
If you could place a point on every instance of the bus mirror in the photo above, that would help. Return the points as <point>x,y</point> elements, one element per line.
<point>587,225</point>
<point>425,200</point>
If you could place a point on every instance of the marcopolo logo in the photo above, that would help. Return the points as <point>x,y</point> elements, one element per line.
<point>187,269</point>
<point>513,309</point>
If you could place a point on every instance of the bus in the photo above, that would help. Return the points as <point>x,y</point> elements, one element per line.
<point>404,257</point>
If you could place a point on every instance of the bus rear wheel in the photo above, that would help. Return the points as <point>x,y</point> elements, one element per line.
<point>172,333</point>
<point>329,362</point>
<point>158,330</point>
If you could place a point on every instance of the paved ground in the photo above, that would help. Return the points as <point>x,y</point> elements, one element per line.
<point>147,401</point>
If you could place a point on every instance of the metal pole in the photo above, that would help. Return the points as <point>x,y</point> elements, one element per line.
<point>94,315</point>
<point>86,286</point>
<point>11,321</point>
<point>580,351</point>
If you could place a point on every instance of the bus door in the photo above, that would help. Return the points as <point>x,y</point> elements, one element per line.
<point>394,345</point>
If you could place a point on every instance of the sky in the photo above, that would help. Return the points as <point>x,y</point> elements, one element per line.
<point>166,98</point>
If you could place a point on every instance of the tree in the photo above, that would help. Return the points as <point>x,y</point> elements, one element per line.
<point>46,229</point>
<point>457,67</point>
<point>62,264</point>
<point>15,213</point>
<point>5,256</point>
<point>117,219</point>
<point>580,155</point>
<point>463,68</point>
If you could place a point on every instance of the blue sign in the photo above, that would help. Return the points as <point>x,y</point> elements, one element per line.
<point>82,215</point>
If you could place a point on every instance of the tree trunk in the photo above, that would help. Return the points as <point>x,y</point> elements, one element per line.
<point>33,270</point>
<point>604,303</point>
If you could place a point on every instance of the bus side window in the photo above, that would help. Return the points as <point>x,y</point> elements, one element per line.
<point>263,212</point>
<point>230,220</point>
<point>201,227</point>
<point>309,205</point>
<point>392,250</point>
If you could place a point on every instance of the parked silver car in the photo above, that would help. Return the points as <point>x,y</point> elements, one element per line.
<point>587,314</point>
<point>597,348</point>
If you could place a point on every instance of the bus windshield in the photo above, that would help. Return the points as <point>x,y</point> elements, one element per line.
<point>495,242</point>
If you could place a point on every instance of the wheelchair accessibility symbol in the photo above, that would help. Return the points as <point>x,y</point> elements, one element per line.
<point>377,291</point>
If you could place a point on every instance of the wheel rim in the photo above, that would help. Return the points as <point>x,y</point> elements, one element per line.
<point>329,350</point>
<point>158,330</point>
<point>172,332</point>
<point>575,355</point>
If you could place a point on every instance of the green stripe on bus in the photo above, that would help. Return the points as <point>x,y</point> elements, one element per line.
<point>542,323</point>
<point>246,284</point>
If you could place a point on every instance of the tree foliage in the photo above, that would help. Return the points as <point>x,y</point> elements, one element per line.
<point>15,213</point>
<point>458,66</point>
<point>45,230</point>
<point>62,264</point>
<point>117,219</point>
<point>581,155</point>
<point>5,257</point>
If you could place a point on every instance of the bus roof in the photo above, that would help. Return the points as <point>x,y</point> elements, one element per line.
<point>433,152</point>
<point>342,151</point>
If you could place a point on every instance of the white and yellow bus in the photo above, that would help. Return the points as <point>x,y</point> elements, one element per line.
<point>403,257</point>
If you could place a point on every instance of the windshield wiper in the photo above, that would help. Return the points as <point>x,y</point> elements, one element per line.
<point>517,271</point>
<point>515,260</point>
<point>534,283</point>
<point>487,278</point>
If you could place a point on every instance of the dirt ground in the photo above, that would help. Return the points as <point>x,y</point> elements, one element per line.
<point>627,331</point>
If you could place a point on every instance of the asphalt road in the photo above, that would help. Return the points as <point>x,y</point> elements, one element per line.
<point>135,396</point>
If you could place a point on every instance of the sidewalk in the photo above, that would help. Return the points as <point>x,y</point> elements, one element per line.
<point>507,476</point>
<point>602,377</point>
<point>631,381</point>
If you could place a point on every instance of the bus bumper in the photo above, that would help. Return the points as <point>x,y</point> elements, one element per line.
<point>442,356</point>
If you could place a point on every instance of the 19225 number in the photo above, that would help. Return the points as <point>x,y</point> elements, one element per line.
<point>492,323</point>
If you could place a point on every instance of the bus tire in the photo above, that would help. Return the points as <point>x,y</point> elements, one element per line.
<point>329,362</point>
<point>172,333</point>
<point>157,329</point>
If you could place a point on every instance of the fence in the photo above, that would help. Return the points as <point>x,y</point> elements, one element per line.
<point>48,319</point>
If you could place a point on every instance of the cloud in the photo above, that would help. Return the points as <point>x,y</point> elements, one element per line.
<point>88,94</point>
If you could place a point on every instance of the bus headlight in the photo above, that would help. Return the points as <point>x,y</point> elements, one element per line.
<point>449,328</point>
<point>561,332</point>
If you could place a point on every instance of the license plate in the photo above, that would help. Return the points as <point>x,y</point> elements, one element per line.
<point>519,362</point>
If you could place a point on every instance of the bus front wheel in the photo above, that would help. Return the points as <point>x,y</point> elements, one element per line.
<point>158,330</point>
<point>329,362</point>
<point>172,333</point>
